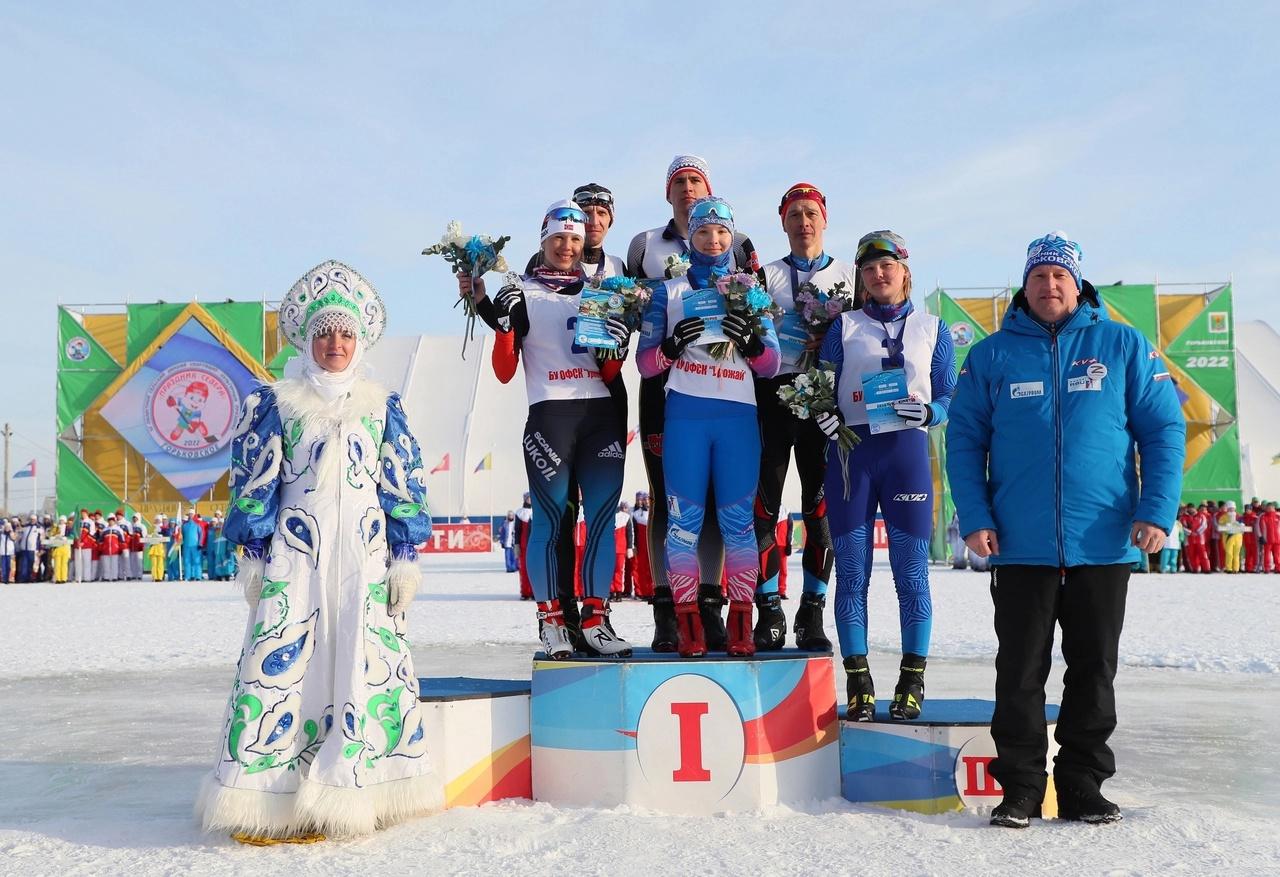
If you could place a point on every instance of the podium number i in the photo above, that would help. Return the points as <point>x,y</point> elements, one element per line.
<point>690,716</point>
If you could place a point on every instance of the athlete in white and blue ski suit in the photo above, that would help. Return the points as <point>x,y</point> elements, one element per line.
<point>889,470</point>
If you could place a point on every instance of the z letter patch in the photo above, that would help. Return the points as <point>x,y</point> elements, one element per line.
<point>1026,389</point>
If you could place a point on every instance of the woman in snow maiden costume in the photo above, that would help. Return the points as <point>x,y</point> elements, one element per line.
<point>901,363</point>
<point>323,733</point>
<point>573,432</point>
<point>711,434</point>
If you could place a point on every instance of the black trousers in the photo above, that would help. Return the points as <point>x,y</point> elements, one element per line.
<point>1088,603</point>
<point>780,431</point>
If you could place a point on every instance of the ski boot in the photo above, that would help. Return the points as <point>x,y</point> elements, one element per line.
<point>664,620</point>
<point>808,624</point>
<point>862,690</point>
<point>771,627</point>
<point>741,639</point>
<point>689,629</point>
<point>573,623</point>
<point>599,639</point>
<point>908,694</point>
<point>710,600</point>
<point>555,637</point>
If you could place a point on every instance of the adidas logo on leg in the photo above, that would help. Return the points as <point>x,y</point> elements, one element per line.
<point>614,451</point>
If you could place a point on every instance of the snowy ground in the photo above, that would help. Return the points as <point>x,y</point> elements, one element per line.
<point>111,698</point>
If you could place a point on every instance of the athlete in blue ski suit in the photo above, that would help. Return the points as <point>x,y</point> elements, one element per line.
<point>889,469</point>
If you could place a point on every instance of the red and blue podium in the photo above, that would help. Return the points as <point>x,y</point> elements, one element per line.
<point>685,736</point>
<point>701,736</point>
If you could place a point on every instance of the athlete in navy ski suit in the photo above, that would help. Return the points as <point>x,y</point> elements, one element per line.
<point>888,469</point>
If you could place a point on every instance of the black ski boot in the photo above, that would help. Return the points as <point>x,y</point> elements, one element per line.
<point>573,623</point>
<point>771,627</point>
<point>908,695</point>
<point>808,625</point>
<point>664,620</point>
<point>710,602</point>
<point>862,690</point>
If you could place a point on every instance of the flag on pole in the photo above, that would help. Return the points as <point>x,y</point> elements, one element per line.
<point>442,466</point>
<point>27,471</point>
<point>485,464</point>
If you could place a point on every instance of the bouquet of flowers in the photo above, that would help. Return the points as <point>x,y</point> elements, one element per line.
<point>622,297</point>
<point>472,255</point>
<point>818,310</point>
<point>813,392</point>
<point>676,265</point>
<point>745,297</point>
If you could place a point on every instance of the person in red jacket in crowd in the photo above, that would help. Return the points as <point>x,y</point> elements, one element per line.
<point>782,538</point>
<point>524,515</point>
<point>112,542</point>
<point>1250,520</point>
<point>1270,521</point>
<point>1212,540</point>
<point>1197,525</point>
<point>1186,518</point>
<point>86,546</point>
<point>621,538</point>
<point>642,575</point>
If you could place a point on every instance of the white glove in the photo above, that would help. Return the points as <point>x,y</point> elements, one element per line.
<point>249,577</point>
<point>403,578</point>
<point>914,413</point>
<point>829,423</point>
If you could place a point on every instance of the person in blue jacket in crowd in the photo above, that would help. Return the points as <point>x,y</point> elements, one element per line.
<point>904,358</point>
<point>1040,454</point>
<point>192,554</point>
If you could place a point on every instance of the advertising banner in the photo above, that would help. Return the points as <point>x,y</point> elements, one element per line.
<point>458,539</point>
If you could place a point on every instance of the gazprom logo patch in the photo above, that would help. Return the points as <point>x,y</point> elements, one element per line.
<point>1026,389</point>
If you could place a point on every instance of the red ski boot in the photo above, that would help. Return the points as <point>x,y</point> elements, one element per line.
<point>689,636</point>
<point>741,636</point>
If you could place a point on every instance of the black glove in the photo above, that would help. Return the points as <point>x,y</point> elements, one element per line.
<point>739,332</point>
<point>618,330</point>
<point>684,334</point>
<point>507,299</point>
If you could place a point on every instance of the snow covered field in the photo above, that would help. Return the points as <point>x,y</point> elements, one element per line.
<point>111,698</point>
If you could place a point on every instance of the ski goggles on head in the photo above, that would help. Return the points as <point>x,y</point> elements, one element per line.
<point>879,247</point>
<point>573,214</point>
<point>593,194</point>
<point>711,209</point>
<point>802,192</point>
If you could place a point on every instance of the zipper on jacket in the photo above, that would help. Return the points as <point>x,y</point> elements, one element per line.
<point>1057,447</point>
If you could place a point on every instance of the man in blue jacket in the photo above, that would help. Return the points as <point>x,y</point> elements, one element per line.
<point>1040,455</point>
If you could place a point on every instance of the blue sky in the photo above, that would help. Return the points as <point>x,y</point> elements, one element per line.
<point>165,151</point>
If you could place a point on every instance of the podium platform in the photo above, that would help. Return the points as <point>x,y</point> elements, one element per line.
<point>930,765</point>
<point>678,735</point>
<point>478,737</point>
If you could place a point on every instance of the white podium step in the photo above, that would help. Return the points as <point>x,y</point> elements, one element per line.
<point>478,737</point>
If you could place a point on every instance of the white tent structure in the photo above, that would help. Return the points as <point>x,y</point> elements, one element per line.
<point>1258,380</point>
<point>458,408</point>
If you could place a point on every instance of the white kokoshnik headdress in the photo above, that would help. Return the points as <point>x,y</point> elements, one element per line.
<point>332,296</point>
